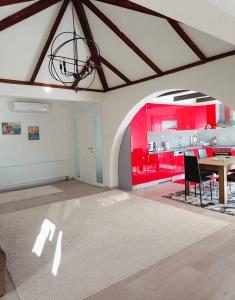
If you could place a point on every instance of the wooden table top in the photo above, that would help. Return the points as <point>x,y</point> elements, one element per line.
<point>218,161</point>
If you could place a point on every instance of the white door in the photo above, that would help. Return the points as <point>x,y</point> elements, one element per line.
<point>86,148</point>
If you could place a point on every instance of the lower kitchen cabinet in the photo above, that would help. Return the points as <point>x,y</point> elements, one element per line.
<point>152,167</point>
<point>209,151</point>
<point>139,166</point>
<point>178,165</point>
<point>166,164</point>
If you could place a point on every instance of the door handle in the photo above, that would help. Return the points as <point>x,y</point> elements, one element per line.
<point>90,148</point>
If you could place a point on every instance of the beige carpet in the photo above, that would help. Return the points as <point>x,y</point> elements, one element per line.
<point>73,249</point>
<point>7,197</point>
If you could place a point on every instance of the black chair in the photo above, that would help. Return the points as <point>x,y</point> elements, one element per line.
<point>231,178</point>
<point>203,154</point>
<point>189,153</point>
<point>192,174</point>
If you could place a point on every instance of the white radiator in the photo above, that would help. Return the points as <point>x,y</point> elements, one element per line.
<point>33,173</point>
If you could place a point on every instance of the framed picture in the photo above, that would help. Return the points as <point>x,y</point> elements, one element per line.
<point>33,133</point>
<point>11,128</point>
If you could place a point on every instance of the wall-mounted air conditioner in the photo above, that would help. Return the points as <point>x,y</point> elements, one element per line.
<point>29,107</point>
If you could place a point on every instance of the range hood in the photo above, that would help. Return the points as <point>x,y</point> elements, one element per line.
<point>225,117</point>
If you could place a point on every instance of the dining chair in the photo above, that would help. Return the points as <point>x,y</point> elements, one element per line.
<point>202,153</point>
<point>189,153</point>
<point>231,179</point>
<point>193,174</point>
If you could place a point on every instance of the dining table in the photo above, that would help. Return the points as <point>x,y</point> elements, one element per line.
<point>221,165</point>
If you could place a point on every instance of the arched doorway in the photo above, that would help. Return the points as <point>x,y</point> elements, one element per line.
<point>158,97</point>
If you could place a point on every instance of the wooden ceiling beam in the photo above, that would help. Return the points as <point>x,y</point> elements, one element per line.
<point>10,2</point>
<point>134,6</point>
<point>178,69</point>
<point>172,71</point>
<point>114,70</point>
<point>178,29</point>
<point>76,81</point>
<point>205,99</point>
<point>54,86</point>
<point>26,13</point>
<point>49,40</point>
<point>122,36</point>
<point>88,35</point>
<point>173,93</point>
<point>188,96</point>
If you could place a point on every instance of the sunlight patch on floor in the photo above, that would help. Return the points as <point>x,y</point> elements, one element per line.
<point>47,231</point>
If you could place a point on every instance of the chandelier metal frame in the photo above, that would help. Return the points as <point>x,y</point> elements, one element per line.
<point>69,70</point>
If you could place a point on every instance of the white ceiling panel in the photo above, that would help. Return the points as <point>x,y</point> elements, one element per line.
<point>211,16</point>
<point>153,35</point>
<point>209,44</point>
<point>8,10</point>
<point>112,78</point>
<point>20,44</point>
<point>116,51</point>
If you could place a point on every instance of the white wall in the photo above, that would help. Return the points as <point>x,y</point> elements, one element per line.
<point>118,108</point>
<point>23,161</point>
<point>47,93</point>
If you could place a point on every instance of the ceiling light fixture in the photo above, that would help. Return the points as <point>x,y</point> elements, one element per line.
<point>71,70</point>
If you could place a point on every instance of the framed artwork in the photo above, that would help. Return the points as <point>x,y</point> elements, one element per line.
<point>11,128</point>
<point>33,133</point>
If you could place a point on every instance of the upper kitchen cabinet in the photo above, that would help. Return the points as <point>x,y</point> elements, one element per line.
<point>139,130</point>
<point>196,117</point>
<point>211,115</point>
<point>200,117</point>
<point>205,116</point>
<point>162,117</point>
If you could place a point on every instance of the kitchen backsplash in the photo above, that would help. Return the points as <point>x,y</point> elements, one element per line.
<point>225,136</point>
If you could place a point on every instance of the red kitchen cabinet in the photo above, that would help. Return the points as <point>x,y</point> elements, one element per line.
<point>196,117</point>
<point>139,131</point>
<point>148,167</point>
<point>183,115</point>
<point>200,116</point>
<point>160,113</point>
<point>166,164</point>
<point>139,146</point>
<point>233,152</point>
<point>204,115</point>
<point>139,166</point>
<point>187,117</point>
<point>209,151</point>
<point>211,115</point>
<point>179,165</point>
<point>152,167</point>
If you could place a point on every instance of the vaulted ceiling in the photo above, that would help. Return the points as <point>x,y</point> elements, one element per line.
<point>136,44</point>
<point>215,17</point>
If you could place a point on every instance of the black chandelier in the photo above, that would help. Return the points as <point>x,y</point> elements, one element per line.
<point>71,70</point>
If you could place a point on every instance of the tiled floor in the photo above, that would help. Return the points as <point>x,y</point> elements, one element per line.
<point>203,271</point>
